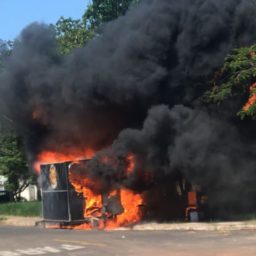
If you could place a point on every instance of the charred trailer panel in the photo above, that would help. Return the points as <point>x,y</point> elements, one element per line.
<point>60,201</point>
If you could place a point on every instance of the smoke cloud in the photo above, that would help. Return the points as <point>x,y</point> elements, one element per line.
<point>135,89</point>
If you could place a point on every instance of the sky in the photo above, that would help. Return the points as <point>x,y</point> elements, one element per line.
<point>17,14</point>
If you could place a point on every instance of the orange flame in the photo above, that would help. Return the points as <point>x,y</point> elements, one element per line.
<point>131,203</point>
<point>252,99</point>
<point>94,208</point>
<point>50,157</point>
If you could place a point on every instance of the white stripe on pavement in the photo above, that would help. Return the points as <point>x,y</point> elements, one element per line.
<point>42,250</point>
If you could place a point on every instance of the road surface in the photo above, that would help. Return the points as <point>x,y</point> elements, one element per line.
<point>20,241</point>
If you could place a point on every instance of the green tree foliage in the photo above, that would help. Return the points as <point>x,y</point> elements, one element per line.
<point>73,34</point>
<point>234,80</point>
<point>13,164</point>
<point>102,11</point>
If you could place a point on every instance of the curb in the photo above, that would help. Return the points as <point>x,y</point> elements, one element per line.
<point>197,226</point>
<point>218,226</point>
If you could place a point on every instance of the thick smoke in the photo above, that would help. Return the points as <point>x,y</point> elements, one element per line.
<point>136,87</point>
<point>208,151</point>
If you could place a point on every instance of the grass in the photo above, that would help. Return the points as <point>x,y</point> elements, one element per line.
<point>26,209</point>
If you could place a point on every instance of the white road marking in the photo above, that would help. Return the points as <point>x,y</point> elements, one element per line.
<point>42,250</point>
<point>80,242</point>
<point>31,251</point>
<point>9,253</point>
<point>71,247</point>
<point>50,249</point>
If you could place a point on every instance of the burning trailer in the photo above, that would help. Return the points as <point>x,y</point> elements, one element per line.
<point>131,101</point>
<point>71,198</point>
<point>68,199</point>
<point>60,202</point>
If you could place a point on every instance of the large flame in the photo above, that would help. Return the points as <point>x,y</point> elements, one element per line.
<point>50,157</point>
<point>131,203</point>
<point>94,208</point>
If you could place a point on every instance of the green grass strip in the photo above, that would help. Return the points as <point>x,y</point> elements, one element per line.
<point>25,209</point>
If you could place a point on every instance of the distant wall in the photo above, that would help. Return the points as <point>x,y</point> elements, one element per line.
<point>2,181</point>
<point>30,193</point>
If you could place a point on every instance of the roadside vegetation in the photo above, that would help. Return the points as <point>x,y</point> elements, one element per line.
<point>236,80</point>
<point>25,209</point>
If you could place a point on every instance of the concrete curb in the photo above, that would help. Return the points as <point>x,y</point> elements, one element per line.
<point>214,226</point>
<point>218,226</point>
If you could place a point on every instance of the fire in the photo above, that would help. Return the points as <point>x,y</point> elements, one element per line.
<point>50,157</point>
<point>250,102</point>
<point>131,164</point>
<point>131,215</point>
<point>131,203</point>
<point>252,99</point>
<point>96,205</point>
<point>93,201</point>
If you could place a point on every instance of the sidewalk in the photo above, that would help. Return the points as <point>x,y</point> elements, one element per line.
<point>19,221</point>
<point>212,226</point>
<point>200,226</point>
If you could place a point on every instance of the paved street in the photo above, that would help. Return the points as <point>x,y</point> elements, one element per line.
<point>17,241</point>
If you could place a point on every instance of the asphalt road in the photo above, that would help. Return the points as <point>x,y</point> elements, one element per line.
<point>38,241</point>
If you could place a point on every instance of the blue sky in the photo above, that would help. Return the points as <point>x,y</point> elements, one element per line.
<point>16,14</point>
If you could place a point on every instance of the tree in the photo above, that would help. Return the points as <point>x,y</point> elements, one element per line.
<point>73,33</point>
<point>102,11</point>
<point>236,78</point>
<point>13,164</point>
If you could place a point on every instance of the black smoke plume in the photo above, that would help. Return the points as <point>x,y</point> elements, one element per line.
<point>134,89</point>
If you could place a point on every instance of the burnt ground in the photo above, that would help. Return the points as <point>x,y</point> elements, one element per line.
<point>17,241</point>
